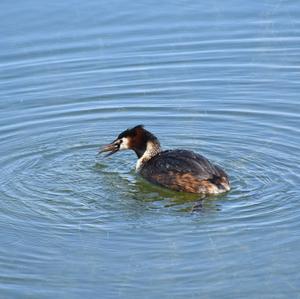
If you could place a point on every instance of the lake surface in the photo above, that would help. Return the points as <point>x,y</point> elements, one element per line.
<point>221,78</point>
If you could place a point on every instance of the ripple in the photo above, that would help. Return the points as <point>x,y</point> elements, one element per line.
<point>57,171</point>
<point>197,79</point>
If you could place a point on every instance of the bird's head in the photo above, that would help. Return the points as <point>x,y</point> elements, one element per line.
<point>135,139</point>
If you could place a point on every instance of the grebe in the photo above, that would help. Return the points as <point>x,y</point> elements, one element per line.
<point>180,170</point>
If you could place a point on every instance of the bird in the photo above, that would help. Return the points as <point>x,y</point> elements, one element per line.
<point>179,169</point>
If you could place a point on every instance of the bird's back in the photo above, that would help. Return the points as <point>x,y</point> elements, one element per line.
<point>183,170</point>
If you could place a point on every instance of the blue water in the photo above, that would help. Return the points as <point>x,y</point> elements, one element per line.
<point>221,78</point>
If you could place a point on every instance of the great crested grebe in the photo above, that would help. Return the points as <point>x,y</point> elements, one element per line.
<point>180,170</point>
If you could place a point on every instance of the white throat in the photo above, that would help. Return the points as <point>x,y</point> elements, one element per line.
<point>152,150</point>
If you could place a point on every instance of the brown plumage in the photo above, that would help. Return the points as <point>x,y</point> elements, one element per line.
<point>180,170</point>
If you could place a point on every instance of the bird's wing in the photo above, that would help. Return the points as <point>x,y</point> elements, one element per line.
<point>178,165</point>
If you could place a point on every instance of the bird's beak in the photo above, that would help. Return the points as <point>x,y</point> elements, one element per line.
<point>111,148</point>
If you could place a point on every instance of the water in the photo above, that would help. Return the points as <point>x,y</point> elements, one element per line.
<point>221,78</point>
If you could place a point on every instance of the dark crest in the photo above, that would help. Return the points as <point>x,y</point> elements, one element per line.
<point>130,132</point>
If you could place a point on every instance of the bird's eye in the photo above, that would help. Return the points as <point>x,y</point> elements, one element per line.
<point>118,142</point>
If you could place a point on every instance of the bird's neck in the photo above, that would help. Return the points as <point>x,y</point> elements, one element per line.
<point>151,149</point>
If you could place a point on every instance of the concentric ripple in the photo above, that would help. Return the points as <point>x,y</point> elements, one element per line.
<point>51,168</point>
<point>219,79</point>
